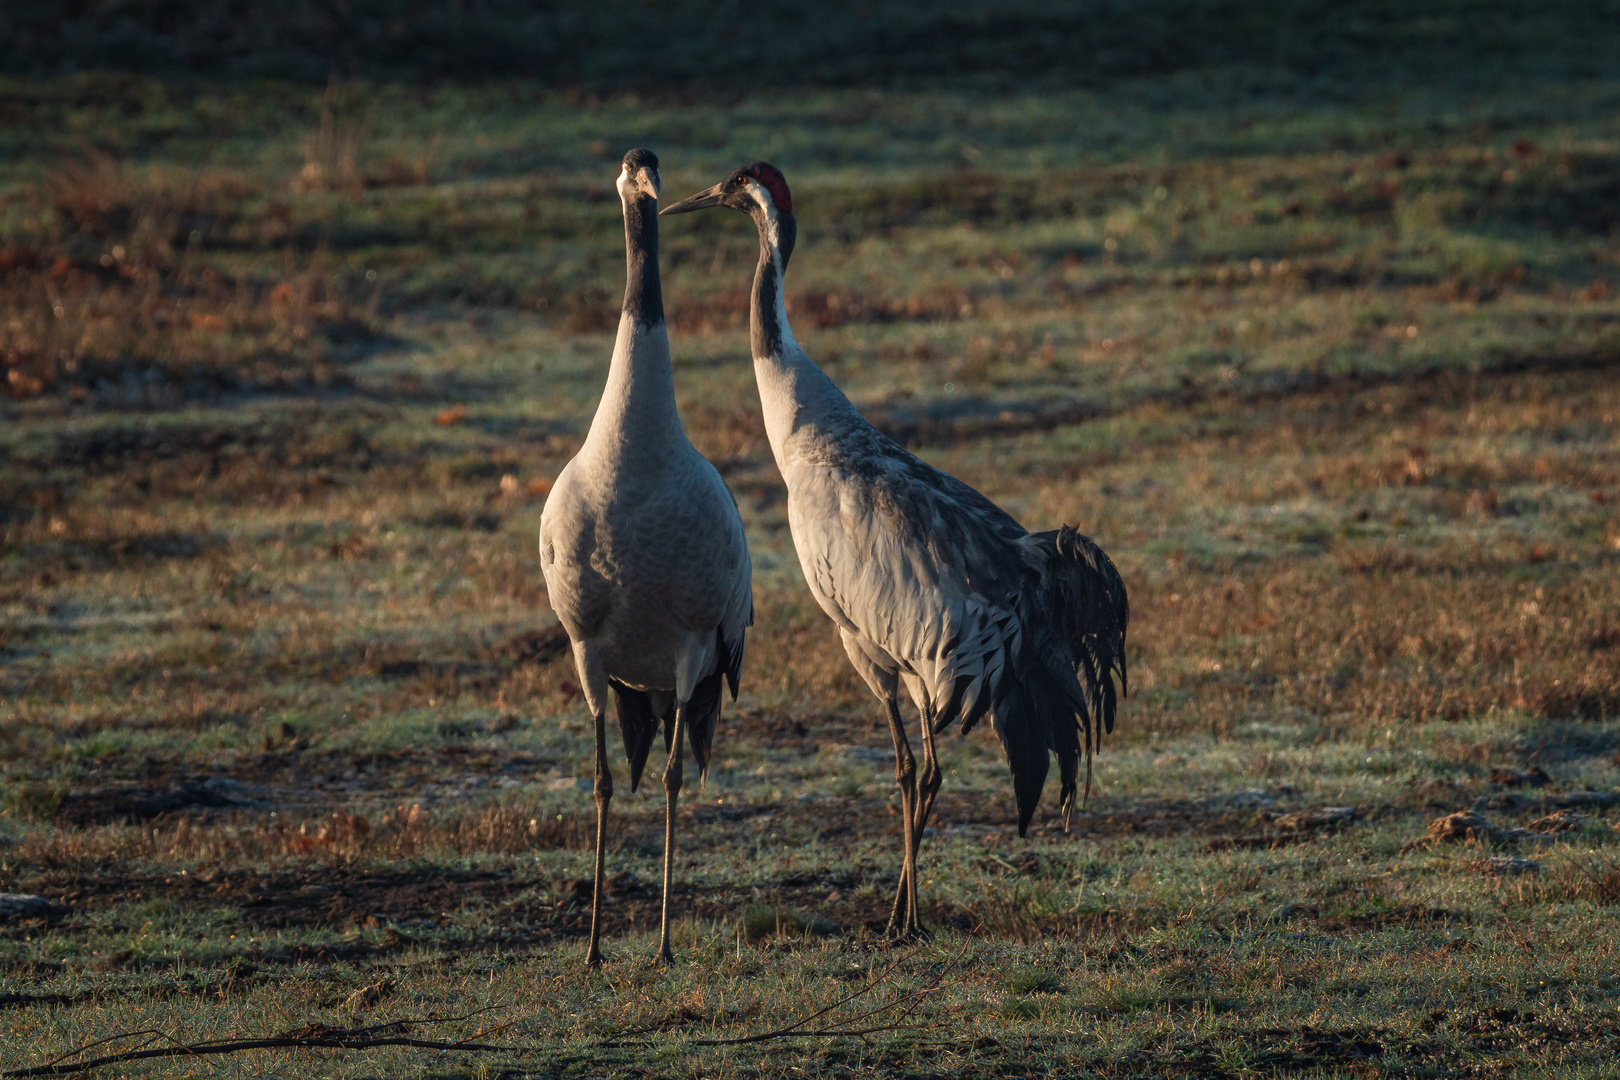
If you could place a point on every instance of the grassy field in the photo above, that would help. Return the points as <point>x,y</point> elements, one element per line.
<point>286,737</point>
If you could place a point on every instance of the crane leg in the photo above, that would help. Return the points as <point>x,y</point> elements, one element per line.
<point>928,782</point>
<point>604,794</point>
<point>902,920</point>
<point>907,915</point>
<point>672,791</point>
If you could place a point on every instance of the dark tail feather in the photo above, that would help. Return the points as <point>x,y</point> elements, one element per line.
<point>1043,714</point>
<point>704,708</point>
<point>702,716</point>
<point>1062,698</point>
<point>731,652</point>
<point>1022,731</point>
<point>1060,708</point>
<point>1093,614</point>
<point>638,725</point>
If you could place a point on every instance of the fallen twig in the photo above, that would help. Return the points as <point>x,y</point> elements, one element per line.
<point>232,1046</point>
<point>156,1034</point>
<point>312,1036</point>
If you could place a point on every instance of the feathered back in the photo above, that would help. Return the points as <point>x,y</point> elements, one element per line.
<point>1060,696</point>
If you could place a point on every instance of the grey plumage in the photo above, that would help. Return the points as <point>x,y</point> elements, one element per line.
<point>931,585</point>
<point>975,614</point>
<point>643,551</point>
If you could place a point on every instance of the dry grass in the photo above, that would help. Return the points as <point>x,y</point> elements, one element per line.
<point>1344,418</point>
<point>404,833</point>
<point>118,303</point>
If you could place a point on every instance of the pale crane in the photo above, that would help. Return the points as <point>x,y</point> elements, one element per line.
<point>643,552</point>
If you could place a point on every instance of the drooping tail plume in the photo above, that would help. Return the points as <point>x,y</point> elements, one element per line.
<point>1060,696</point>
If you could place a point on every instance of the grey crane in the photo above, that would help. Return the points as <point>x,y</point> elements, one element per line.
<point>931,584</point>
<point>644,554</point>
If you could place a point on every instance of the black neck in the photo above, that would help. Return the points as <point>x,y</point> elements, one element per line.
<point>765,329</point>
<point>643,298</point>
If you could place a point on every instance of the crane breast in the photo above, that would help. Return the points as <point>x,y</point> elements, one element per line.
<point>884,571</point>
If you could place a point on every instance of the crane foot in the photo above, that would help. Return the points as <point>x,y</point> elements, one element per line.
<point>908,934</point>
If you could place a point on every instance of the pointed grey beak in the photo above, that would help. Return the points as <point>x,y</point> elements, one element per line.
<point>701,201</point>
<point>649,182</point>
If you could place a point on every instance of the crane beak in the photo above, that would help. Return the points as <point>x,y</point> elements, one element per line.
<point>701,201</point>
<point>649,183</point>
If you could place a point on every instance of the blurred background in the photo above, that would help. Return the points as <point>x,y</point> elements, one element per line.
<point>1307,312</point>
<point>1310,48</point>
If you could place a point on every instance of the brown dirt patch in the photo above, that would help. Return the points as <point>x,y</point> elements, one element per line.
<point>332,897</point>
<point>139,803</point>
<point>532,910</point>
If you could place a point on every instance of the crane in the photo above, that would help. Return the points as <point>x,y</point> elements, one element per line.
<point>931,585</point>
<point>644,555</point>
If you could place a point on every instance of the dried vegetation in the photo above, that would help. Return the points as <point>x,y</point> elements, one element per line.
<point>284,720</point>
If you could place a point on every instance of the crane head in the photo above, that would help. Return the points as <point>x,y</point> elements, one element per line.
<point>759,188</point>
<point>639,177</point>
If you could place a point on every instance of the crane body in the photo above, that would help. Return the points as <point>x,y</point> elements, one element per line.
<point>644,555</point>
<point>933,588</point>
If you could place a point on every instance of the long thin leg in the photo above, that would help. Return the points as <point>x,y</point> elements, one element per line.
<point>604,793</point>
<point>905,775</point>
<point>928,783</point>
<point>897,913</point>
<point>905,919</point>
<point>672,791</point>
